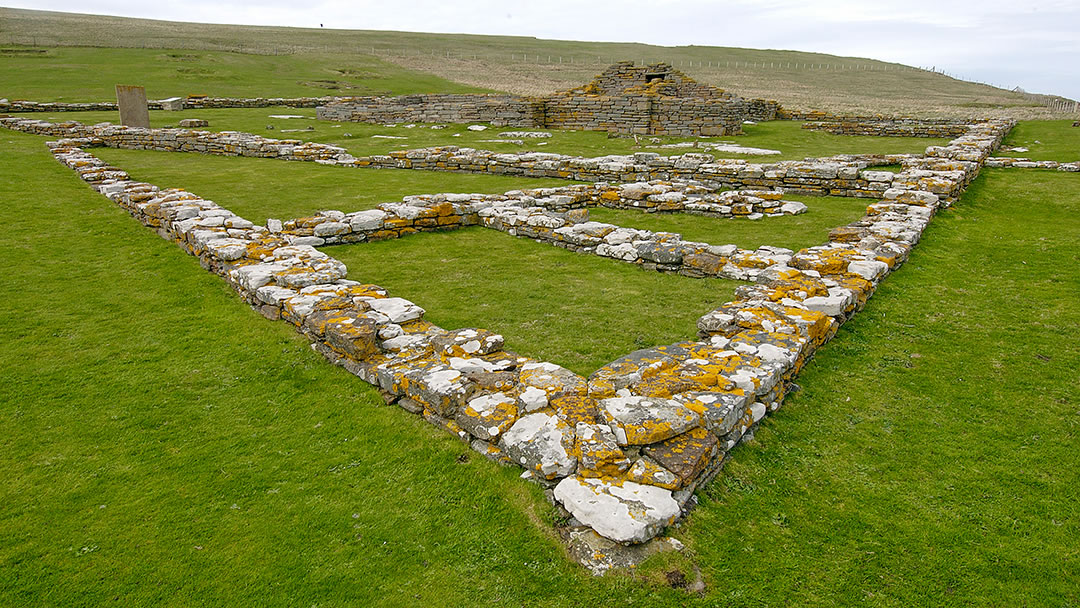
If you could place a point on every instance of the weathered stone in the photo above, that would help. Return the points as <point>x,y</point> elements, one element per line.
<point>644,420</point>
<point>542,444</point>
<point>719,410</point>
<point>626,513</point>
<point>685,455</point>
<point>398,310</point>
<point>600,554</point>
<point>488,416</point>
<point>598,453</point>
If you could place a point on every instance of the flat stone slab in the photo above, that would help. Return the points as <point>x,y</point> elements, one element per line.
<point>644,420</point>
<point>687,454</point>
<point>626,513</point>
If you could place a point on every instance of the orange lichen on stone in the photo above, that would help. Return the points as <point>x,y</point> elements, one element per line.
<point>685,455</point>
<point>574,408</point>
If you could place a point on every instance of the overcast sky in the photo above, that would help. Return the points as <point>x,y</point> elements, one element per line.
<point>1007,43</point>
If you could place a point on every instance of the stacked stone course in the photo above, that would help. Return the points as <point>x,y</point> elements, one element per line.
<point>1027,163</point>
<point>651,100</point>
<point>624,449</point>
<point>889,128</point>
<point>193,102</point>
<point>837,176</point>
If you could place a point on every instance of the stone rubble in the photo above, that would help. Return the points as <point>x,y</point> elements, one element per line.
<point>624,449</point>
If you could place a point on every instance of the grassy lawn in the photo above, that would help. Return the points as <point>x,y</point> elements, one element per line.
<point>1045,140</point>
<point>577,310</point>
<point>260,188</point>
<point>90,74</point>
<point>928,460</point>
<point>164,444</point>
<point>789,137</point>
<point>792,231</point>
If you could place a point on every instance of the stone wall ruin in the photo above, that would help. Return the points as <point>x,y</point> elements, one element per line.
<point>622,450</point>
<point>626,99</point>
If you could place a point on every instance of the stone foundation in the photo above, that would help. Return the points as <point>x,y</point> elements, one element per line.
<point>622,450</point>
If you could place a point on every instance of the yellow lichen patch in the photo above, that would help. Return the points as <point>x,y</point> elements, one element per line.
<point>798,287</point>
<point>812,323</point>
<point>397,222</point>
<point>260,250</point>
<point>685,455</point>
<point>748,260</point>
<point>418,326</point>
<point>647,472</point>
<point>356,338</point>
<point>333,303</point>
<point>670,383</point>
<point>610,196</point>
<point>488,416</point>
<point>701,408</point>
<point>597,453</point>
<point>442,209</point>
<point>574,408</point>
<point>828,261</point>
<point>859,286</point>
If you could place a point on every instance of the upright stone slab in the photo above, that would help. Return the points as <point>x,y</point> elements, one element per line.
<point>132,103</point>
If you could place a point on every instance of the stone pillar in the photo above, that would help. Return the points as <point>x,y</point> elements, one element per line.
<point>132,103</point>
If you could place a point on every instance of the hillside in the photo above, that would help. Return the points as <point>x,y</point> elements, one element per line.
<point>531,66</point>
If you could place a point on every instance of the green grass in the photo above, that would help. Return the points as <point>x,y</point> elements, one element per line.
<point>577,310</point>
<point>90,74</point>
<point>791,231</point>
<point>1045,139</point>
<point>943,480</point>
<point>927,461</point>
<point>261,188</point>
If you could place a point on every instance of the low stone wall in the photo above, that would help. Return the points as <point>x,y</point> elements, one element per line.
<point>622,450</point>
<point>823,116</point>
<point>499,110</point>
<point>831,178</point>
<point>615,114</point>
<point>889,128</point>
<point>187,103</point>
<point>839,176</point>
<point>1027,163</point>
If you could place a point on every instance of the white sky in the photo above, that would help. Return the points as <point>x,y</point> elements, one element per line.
<point>1006,43</point>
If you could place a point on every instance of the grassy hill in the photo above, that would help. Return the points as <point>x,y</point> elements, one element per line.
<point>529,66</point>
